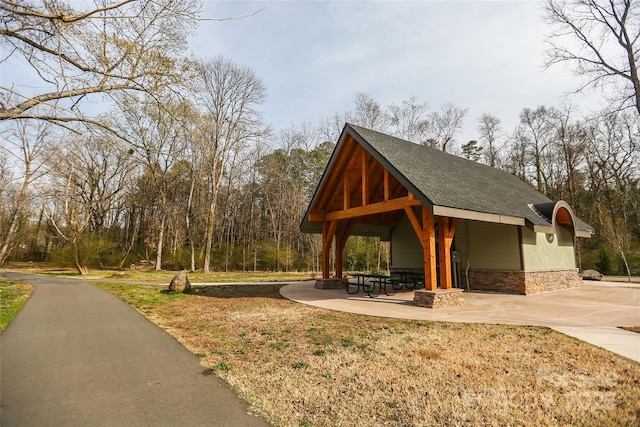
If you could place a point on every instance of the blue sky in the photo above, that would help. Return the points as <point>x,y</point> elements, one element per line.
<point>314,56</point>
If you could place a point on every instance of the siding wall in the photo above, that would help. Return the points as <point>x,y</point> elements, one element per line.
<point>490,246</point>
<point>406,250</point>
<point>539,254</point>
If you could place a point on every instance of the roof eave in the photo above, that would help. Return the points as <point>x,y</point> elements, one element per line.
<point>477,216</point>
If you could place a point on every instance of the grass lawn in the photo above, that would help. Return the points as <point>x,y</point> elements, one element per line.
<point>305,366</point>
<point>162,276</point>
<point>13,295</point>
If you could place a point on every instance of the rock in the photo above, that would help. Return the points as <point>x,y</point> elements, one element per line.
<point>143,265</point>
<point>591,275</point>
<point>180,283</point>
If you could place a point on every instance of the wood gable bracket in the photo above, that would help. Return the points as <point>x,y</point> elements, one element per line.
<point>359,189</point>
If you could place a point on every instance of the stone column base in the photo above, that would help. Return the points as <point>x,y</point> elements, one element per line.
<point>438,299</point>
<point>333,283</point>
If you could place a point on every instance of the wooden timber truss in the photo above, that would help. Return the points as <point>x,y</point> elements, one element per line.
<point>358,189</point>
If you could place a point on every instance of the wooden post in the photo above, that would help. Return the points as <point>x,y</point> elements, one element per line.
<point>429,238</point>
<point>426,234</point>
<point>446,231</point>
<point>329,229</point>
<point>339,251</point>
<point>326,250</point>
<point>342,235</point>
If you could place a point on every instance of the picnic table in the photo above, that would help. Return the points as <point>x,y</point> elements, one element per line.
<point>368,282</point>
<point>410,279</point>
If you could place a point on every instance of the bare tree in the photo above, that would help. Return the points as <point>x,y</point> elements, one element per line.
<point>154,130</point>
<point>329,128</point>
<point>569,148</point>
<point>612,160</point>
<point>536,133</point>
<point>229,94</point>
<point>446,124</point>
<point>104,48</point>
<point>369,114</point>
<point>489,128</point>
<point>27,143</point>
<point>600,39</point>
<point>410,120</point>
<point>515,161</point>
<point>94,173</point>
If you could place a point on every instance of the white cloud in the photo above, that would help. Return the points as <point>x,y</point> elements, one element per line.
<point>314,56</point>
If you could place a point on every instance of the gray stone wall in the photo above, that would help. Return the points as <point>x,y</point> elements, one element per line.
<point>524,282</point>
<point>438,299</point>
<point>537,282</point>
<point>333,283</point>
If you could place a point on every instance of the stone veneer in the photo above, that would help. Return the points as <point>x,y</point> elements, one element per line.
<point>333,283</point>
<point>438,299</point>
<point>524,282</point>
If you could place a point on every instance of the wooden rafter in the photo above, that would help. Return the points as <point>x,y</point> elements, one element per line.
<point>363,178</point>
<point>385,172</point>
<point>346,192</point>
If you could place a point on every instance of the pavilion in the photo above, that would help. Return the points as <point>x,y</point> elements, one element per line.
<point>502,234</point>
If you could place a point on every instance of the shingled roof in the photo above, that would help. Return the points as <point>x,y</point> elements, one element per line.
<point>456,187</point>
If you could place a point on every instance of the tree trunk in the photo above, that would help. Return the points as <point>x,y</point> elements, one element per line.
<point>13,225</point>
<point>134,237</point>
<point>159,246</point>
<point>206,269</point>
<point>80,266</point>
<point>4,249</point>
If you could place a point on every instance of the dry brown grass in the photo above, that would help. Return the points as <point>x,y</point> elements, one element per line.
<point>306,366</point>
<point>162,276</point>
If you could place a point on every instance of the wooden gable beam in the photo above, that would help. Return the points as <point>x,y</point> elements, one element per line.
<point>372,209</point>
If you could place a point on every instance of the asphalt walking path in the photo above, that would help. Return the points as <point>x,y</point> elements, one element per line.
<point>76,355</point>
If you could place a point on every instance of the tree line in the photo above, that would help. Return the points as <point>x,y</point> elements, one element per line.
<point>180,171</point>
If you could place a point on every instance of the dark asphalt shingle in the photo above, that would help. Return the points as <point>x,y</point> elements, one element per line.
<point>451,181</point>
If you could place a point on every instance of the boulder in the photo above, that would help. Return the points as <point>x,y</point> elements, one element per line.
<point>143,265</point>
<point>591,275</point>
<point>180,283</point>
